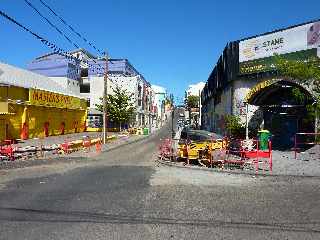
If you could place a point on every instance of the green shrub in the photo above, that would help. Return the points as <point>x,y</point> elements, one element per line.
<point>234,126</point>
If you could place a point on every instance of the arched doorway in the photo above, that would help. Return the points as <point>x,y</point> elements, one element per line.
<point>284,107</point>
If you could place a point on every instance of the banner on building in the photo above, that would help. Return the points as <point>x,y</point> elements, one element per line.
<point>268,63</point>
<point>295,39</point>
<point>50,99</point>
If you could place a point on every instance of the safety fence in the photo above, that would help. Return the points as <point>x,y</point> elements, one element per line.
<point>304,140</point>
<point>10,152</point>
<point>221,153</point>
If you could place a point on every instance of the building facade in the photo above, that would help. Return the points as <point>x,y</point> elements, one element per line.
<point>33,106</point>
<point>85,75</point>
<point>121,73</point>
<point>244,82</point>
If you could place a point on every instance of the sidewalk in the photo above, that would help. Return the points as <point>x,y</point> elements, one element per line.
<point>50,157</point>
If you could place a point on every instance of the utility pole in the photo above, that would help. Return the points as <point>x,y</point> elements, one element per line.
<point>199,109</point>
<point>247,119</point>
<point>105,94</point>
<point>172,127</point>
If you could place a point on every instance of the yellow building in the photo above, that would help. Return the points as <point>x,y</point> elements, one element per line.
<point>32,105</point>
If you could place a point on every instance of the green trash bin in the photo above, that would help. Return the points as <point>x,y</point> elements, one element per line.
<point>145,131</point>
<point>263,136</point>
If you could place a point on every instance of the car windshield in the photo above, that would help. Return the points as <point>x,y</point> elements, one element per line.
<point>198,135</point>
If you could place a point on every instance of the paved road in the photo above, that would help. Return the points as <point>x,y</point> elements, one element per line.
<point>126,195</point>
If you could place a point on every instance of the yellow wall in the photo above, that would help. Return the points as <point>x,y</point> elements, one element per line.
<point>37,116</point>
<point>14,93</point>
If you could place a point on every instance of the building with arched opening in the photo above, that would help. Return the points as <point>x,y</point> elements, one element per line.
<point>244,82</point>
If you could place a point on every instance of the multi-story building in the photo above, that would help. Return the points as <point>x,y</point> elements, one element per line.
<point>245,82</point>
<point>61,70</point>
<point>86,76</point>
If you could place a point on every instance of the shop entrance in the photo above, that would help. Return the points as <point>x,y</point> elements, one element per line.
<point>283,129</point>
<point>284,106</point>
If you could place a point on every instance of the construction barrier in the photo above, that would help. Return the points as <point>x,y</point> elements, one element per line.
<point>99,145</point>
<point>309,139</point>
<point>86,143</point>
<point>166,149</point>
<point>225,152</point>
<point>7,151</point>
<point>248,152</point>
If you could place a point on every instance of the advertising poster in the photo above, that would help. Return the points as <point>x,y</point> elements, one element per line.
<point>299,43</point>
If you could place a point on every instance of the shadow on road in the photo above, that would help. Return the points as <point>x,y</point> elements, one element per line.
<point>50,216</point>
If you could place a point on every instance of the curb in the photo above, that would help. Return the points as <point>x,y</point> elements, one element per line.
<point>228,172</point>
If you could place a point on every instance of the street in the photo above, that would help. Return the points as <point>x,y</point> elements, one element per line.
<point>125,194</point>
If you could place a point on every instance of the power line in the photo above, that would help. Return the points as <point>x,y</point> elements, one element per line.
<point>46,42</point>
<point>57,49</point>
<point>59,31</point>
<point>64,35</point>
<point>50,23</point>
<point>71,28</point>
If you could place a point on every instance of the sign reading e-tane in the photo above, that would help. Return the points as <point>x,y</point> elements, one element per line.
<point>50,99</point>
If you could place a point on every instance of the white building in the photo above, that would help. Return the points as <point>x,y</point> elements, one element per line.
<point>195,89</point>
<point>160,94</point>
<point>194,114</point>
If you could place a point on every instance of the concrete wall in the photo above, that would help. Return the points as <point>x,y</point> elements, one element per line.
<point>68,83</point>
<point>220,110</point>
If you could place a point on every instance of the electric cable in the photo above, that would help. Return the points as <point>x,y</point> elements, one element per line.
<point>71,28</point>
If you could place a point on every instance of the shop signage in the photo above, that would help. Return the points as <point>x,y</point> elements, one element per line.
<point>50,99</point>
<point>291,40</point>
<point>257,88</point>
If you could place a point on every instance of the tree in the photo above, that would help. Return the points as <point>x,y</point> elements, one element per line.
<point>306,72</point>
<point>120,106</point>
<point>193,101</point>
<point>234,126</point>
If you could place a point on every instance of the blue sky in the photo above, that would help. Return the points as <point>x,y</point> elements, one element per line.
<point>173,43</point>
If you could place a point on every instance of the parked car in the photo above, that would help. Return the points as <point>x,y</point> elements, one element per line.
<point>198,135</point>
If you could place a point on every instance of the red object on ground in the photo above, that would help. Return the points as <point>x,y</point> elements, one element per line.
<point>251,156</point>
<point>166,149</point>
<point>7,151</point>
<point>98,146</point>
<point>24,132</point>
<point>65,147</point>
<point>86,144</point>
<point>46,129</point>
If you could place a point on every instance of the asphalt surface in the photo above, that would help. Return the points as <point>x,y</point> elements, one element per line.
<point>124,194</point>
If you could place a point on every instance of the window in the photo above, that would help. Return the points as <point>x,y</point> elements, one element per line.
<point>85,88</point>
